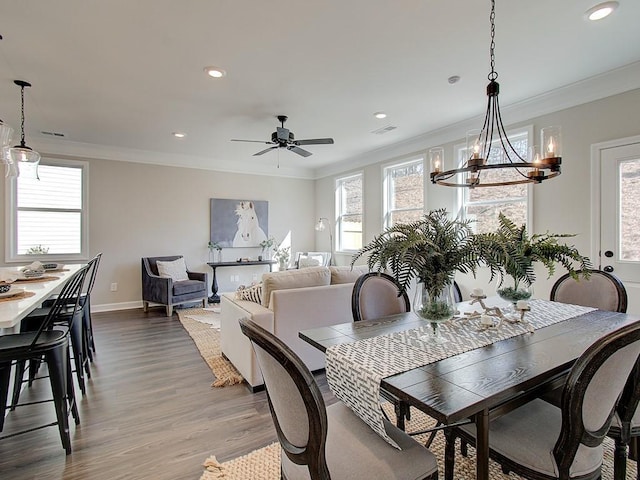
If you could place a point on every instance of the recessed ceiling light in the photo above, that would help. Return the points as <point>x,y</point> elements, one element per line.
<point>380,115</point>
<point>179,134</point>
<point>453,79</point>
<point>601,10</point>
<point>215,72</point>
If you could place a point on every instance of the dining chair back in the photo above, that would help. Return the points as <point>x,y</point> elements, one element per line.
<point>321,443</point>
<point>375,295</point>
<point>601,290</point>
<point>85,303</point>
<point>50,342</point>
<point>539,440</point>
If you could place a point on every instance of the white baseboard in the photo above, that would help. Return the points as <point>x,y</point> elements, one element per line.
<point>108,307</point>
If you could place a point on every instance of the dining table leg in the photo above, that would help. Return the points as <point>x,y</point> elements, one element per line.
<point>482,445</point>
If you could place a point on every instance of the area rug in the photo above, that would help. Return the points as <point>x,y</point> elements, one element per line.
<point>207,340</point>
<point>264,463</point>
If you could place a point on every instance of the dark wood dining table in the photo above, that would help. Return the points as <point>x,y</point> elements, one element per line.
<point>483,383</point>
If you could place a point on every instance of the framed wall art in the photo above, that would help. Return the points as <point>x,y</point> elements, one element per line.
<point>239,223</point>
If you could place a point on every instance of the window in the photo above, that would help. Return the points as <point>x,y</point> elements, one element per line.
<point>48,217</point>
<point>403,192</point>
<point>349,212</point>
<point>484,204</point>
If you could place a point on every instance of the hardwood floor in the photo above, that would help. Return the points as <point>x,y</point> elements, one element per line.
<point>149,411</point>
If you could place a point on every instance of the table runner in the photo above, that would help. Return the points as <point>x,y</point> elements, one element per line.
<point>354,370</point>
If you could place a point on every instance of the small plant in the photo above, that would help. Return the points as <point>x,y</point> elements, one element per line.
<point>268,243</point>
<point>37,250</point>
<point>214,246</point>
<point>282,254</point>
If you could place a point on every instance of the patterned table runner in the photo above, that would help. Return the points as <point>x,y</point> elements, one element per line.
<point>354,370</point>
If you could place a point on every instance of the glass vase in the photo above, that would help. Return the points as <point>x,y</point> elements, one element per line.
<point>436,309</point>
<point>512,291</point>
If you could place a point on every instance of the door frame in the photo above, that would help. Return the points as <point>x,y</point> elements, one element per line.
<point>596,194</point>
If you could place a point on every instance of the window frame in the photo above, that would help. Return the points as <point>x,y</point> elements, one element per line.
<point>339,212</point>
<point>11,190</point>
<point>387,185</point>
<point>461,203</point>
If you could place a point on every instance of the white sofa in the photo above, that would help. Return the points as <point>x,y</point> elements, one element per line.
<point>292,300</point>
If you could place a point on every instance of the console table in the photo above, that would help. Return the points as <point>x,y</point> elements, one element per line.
<point>215,298</point>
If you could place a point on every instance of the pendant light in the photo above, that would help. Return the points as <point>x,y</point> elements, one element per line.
<point>505,166</point>
<point>22,153</point>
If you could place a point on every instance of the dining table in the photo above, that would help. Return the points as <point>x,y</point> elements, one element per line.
<point>475,375</point>
<point>33,291</point>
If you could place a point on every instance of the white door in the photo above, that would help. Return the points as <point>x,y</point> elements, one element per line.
<point>620,216</point>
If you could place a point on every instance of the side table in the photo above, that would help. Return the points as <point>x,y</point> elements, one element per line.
<point>215,298</point>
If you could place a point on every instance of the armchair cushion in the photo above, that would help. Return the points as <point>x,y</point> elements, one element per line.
<point>175,269</point>
<point>187,286</point>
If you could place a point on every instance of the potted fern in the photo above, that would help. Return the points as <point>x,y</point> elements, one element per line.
<point>511,254</point>
<point>430,250</point>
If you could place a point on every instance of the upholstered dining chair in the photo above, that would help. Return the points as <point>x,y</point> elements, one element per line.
<point>625,427</point>
<point>601,290</point>
<point>375,295</point>
<point>50,343</point>
<point>167,291</point>
<point>541,441</point>
<point>319,442</point>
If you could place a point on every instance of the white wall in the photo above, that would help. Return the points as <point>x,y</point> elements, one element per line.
<point>561,205</point>
<point>138,210</point>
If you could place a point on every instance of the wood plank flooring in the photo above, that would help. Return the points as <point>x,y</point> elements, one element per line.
<point>149,411</point>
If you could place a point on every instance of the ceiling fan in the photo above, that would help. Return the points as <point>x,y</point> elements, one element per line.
<point>283,138</point>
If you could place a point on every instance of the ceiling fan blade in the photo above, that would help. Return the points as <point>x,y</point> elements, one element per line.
<point>315,141</point>
<point>299,151</point>
<point>265,150</point>
<point>252,141</point>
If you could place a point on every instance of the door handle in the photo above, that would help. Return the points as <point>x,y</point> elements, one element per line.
<point>608,254</point>
<point>608,269</point>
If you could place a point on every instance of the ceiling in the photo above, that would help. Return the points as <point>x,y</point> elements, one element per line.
<point>117,77</point>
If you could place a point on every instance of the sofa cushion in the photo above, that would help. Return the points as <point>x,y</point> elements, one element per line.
<point>252,293</point>
<point>175,270</point>
<point>306,277</point>
<point>187,286</point>
<point>347,274</point>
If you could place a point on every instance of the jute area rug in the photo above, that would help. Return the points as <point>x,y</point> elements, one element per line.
<point>264,463</point>
<point>207,339</point>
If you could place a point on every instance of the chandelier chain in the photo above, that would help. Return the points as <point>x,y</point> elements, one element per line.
<point>492,18</point>
<point>22,113</point>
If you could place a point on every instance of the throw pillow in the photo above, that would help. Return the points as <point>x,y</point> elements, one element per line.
<point>176,270</point>
<point>252,293</point>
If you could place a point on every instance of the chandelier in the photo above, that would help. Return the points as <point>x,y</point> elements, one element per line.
<point>490,159</point>
<point>22,153</point>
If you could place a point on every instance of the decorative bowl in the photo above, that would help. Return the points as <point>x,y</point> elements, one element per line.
<point>32,273</point>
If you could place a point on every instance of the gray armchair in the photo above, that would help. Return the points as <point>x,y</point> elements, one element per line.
<point>164,291</point>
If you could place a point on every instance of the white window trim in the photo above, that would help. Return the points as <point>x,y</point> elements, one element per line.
<point>529,130</point>
<point>338,212</point>
<point>408,160</point>
<point>10,216</point>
